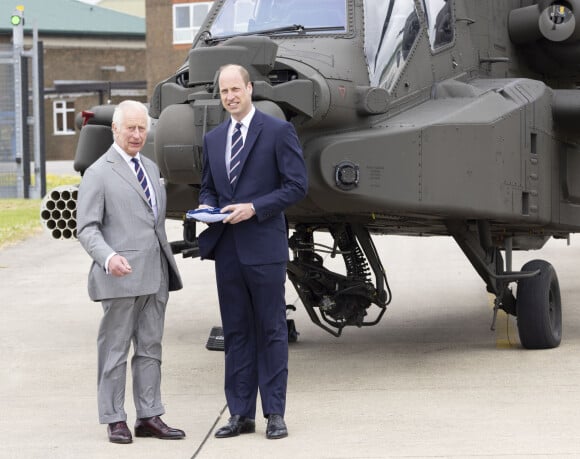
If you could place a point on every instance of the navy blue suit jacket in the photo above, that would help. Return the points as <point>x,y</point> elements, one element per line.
<point>272,177</point>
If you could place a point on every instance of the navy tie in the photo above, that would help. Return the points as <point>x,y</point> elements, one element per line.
<point>237,145</point>
<point>142,179</point>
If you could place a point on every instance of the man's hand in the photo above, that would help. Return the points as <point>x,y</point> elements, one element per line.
<point>119,266</point>
<point>239,212</point>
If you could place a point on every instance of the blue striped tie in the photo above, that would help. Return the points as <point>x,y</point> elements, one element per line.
<point>237,145</point>
<point>142,179</point>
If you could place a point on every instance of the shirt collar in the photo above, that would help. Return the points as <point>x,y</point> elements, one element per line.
<point>246,120</point>
<point>124,155</point>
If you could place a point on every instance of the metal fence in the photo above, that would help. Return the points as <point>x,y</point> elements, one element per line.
<point>22,167</point>
<point>9,170</point>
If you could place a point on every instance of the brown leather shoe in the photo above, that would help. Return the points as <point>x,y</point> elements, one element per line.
<point>155,427</point>
<point>119,432</point>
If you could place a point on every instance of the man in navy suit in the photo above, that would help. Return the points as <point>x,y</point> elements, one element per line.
<point>253,178</point>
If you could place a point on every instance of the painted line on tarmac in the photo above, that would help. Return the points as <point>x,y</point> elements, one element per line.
<point>198,450</point>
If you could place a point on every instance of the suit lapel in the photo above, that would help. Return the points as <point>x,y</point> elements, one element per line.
<point>121,168</point>
<point>218,159</point>
<point>253,132</point>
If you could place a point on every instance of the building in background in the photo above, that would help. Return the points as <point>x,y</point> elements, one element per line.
<point>91,55</point>
<point>133,7</point>
<point>171,26</point>
<point>98,51</point>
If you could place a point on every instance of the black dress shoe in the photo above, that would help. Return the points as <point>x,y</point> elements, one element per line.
<point>276,427</point>
<point>236,425</point>
<point>119,432</point>
<point>155,427</point>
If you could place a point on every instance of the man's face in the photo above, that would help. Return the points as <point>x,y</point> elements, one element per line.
<point>235,95</point>
<point>132,132</point>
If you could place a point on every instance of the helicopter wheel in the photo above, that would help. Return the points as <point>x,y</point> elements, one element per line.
<point>539,307</point>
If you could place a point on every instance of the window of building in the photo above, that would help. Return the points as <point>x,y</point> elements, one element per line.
<point>187,19</point>
<point>63,117</point>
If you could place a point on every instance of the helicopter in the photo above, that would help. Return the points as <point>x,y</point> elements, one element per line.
<point>416,117</point>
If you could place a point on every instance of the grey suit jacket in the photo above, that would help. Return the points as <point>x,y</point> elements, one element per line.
<point>113,215</point>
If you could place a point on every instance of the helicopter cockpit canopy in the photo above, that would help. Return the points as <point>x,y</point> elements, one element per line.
<point>391,29</point>
<point>279,17</point>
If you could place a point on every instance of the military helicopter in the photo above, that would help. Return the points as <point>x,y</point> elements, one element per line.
<point>417,117</point>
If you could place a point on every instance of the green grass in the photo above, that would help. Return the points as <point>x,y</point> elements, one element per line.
<point>20,218</point>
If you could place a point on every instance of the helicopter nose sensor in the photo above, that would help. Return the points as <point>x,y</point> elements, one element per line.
<point>346,175</point>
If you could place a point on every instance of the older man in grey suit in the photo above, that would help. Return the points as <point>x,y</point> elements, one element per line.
<point>121,224</point>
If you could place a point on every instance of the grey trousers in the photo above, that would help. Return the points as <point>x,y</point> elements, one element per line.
<point>139,320</point>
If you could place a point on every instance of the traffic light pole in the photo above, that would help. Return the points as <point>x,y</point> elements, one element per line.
<point>17,48</point>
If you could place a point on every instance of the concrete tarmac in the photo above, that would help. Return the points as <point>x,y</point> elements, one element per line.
<point>430,380</point>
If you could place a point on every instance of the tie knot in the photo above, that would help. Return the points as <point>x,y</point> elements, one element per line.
<point>135,160</point>
<point>238,126</point>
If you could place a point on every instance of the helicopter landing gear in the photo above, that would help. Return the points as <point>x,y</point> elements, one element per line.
<point>292,332</point>
<point>215,342</point>
<point>539,307</point>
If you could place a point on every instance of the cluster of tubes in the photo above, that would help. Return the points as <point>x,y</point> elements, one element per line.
<point>58,212</point>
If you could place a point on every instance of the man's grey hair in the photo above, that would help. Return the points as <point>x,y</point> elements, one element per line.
<point>119,113</point>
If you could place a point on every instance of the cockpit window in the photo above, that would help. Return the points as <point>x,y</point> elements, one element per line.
<point>266,16</point>
<point>391,27</point>
<point>439,20</point>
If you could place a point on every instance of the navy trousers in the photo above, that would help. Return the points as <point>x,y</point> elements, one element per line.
<point>253,312</point>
